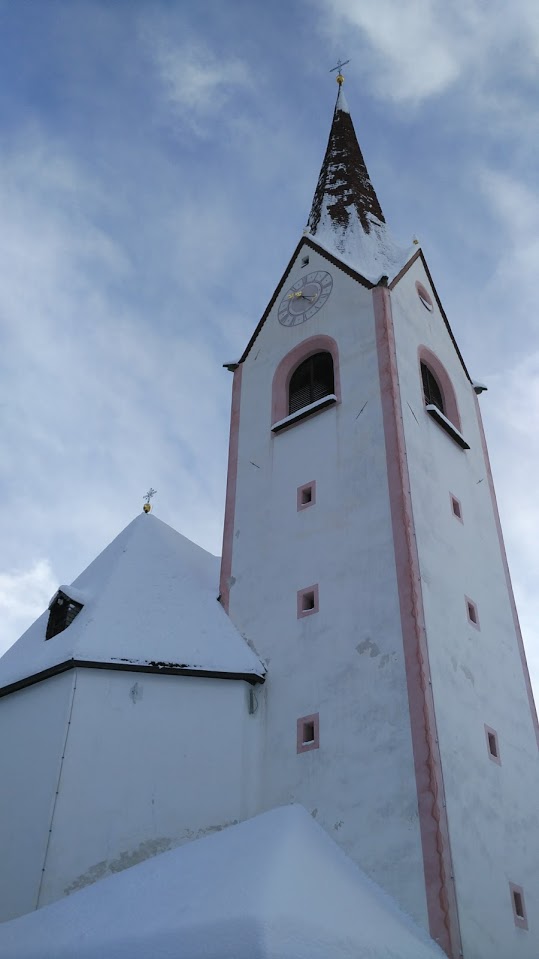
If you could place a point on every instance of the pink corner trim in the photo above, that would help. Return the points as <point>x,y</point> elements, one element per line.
<point>283,373</point>
<point>301,495</point>
<point>517,896</point>
<point>437,861</point>
<point>472,612</point>
<point>304,722</point>
<point>456,507</point>
<point>448,393</point>
<point>231,482</point>
<point>493,746</point>
<point>308,593</point>
<point>518,633</point>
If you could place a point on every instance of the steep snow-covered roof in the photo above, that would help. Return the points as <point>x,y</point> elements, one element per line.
<point>346,218</point>
<point>276,886</point>
<point>150,599</point>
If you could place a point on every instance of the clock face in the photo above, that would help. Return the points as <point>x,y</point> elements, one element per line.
<point>305,298</point>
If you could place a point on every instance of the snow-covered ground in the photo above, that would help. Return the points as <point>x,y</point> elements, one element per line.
<point>275,886</point>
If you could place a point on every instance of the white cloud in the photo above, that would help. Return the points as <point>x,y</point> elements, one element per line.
<point>197,83</point>
<point>102,395</point>
<point>24,594</point>
<point>511,413</point>
<point>420,48</point>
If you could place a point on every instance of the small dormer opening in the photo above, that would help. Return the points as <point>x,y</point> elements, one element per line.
<point>304,261</point>
<point>62,612</point>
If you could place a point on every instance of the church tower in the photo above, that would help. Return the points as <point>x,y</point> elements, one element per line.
<point>363,556</point>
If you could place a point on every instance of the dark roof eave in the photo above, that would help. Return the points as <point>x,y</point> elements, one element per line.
<point>166,669</point>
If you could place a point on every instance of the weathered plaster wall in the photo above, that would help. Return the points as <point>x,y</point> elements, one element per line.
<point>344,662</point>
<point>33,724</point>
<point>150,762</point>
<point>477,675</point>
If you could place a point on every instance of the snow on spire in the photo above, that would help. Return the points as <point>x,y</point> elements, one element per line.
<point>346,217</point>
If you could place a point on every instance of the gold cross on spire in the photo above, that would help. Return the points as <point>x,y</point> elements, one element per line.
<point>340,65</point>
<point>147,496</point>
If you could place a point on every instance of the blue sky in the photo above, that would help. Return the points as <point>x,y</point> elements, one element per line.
<point>157,165</point>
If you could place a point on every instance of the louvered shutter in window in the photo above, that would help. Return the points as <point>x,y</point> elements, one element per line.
<point>312,380</point>
<point>431,389</point>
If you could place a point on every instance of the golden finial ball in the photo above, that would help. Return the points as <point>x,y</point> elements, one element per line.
<point>147,508</point>
<point>340,79</point>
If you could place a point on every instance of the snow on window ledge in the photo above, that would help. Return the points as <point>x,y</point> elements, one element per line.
<point>447,425</point>
<point>328,400</point>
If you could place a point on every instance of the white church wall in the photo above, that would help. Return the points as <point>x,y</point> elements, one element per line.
<point>344,662</point>
<point>477,676</point>
<point>33,724</point>
<point>151,761</point>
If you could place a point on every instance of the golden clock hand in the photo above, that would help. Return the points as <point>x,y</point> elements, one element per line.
<point>294,296</point>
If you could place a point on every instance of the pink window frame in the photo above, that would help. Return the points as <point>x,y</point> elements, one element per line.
<point>301,593</point>
<point>489,731</point>
<point>449,398</point>
<point>520,921</point>
<point>312,487</point>
<point>290,362</point>
<point>301,746</point>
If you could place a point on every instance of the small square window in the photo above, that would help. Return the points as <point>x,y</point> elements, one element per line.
<point>308,733</point>
<point>456,507</point>
<point>519,906</point>
<point>307,601</point>
<point>473,615</point>
<point>493,745</point>
<point>306,495</point>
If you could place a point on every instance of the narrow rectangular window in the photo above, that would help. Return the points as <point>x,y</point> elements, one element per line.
<point>493,745</point>
<point>307,601</point>
<point>308,733</point>
<point>306,495</point>
<point>473,615</point>
<point>519,905</point>
<point>456,507</point>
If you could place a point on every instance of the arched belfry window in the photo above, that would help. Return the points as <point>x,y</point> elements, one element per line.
<point>439,395</point>
<point>311,381</point>
<point>431,388</point>
<point>306,381</point>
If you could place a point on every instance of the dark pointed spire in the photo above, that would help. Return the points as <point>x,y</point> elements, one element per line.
<point>346,217</point>
<point>344,185</point>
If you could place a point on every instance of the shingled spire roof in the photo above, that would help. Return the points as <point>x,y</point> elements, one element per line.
<point>346,217</point>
